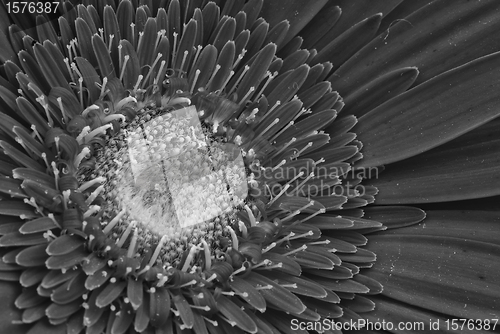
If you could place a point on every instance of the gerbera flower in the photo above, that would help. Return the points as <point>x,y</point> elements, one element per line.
<point>235,166</point>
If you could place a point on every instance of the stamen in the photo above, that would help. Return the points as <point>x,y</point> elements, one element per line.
<point>181,69</point>
<point>297,189</point>
<point>213,322</point>
<point>243,229</point>
<point>89,109</point>
<point>285,188</point>
<point>66,61</point>
<point>227,80</point>
<point>93,209</point>
<point>205,308</point>
<point>279,165</point>
<point>293,285</point>
<point>158,248</point>
<point>264,287</point>
<point>124,101</point>
<point>85,131</point>
<point>110,118</point>
<point>268,248</point>
<point>69,52</point>
<point>141,37</point>
<point>159,35</point>
<point>94,195</point>
<point>174,48</point>
<point>251,117</point>
<point>44,157</point>
<point>253,222</point>
<point>322,210</point>
<point>281,131</point>
<point>246,97</point>
<point>56,174</point>
<point>217,68</point>
<point>276,121</point>
<point>196,55</point>
<point>319,161</point>
<point>300,249</point>
<point>139,79</point>
<point>100,130</point>
<point>113,222</point>
<point>245,70</point>
<point>208,256</point>
<point>158,56</point>
<point>234,238</point>
<point>133,243</point>
<point>157,79</point>
<point>124,66</point>
<point>192,253</point>
<point>196,75</point>
<point>132,26</point>
<point>63,112</point>
<point>278,152</point>
<point>103,88</point>
<point>323,242</point>
<point>111,37</point>
<point>265,262</point>
<point>270,77</point>
<point>237,271</point>
<point>276,105</point>
<point>239,58</point>
<point>36,133</point>
<point>80,91</point>
<point>85,151</point>
<point>125,234</point>
<point>295,178</point>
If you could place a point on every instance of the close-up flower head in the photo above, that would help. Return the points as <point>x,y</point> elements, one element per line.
<point>249,166</point>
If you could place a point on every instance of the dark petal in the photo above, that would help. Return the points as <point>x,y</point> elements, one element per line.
<point>43,327</point>
<point>234,314</point>
<point>277,296</point>
<point>395,216</point>
<point>419,40</point>
<point>123,320</point>
<point>50,68</point>
<point>349,42</point>
<point>453,273</point>
<point>64,244</point>
<point>56,277</point>
<point>379,90</point>
<point>464,168</point>
<point>432,113</point>
<point>248,293</point>
<point>68,260</point>
<point>33,256</point>
<point>159,307</point>
<point>104,61</point>
<point>322,23</point>
<point>298,13</point>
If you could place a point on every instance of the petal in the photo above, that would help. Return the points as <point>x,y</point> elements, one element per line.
<point>298,13</point>
<point>432,113</point>
<point>429,39</point>
<point>452,273</point>
<point>464,168</point>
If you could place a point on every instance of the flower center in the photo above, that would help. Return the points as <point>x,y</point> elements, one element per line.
<point>171,182</point>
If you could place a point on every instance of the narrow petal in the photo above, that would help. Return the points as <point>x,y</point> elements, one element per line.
<point>464,168</point>
<point>453,274</point>
<point>413,41</point>
<point>432,113</point>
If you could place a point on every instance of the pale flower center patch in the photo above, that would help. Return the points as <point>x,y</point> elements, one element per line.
<point>172,177</point>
